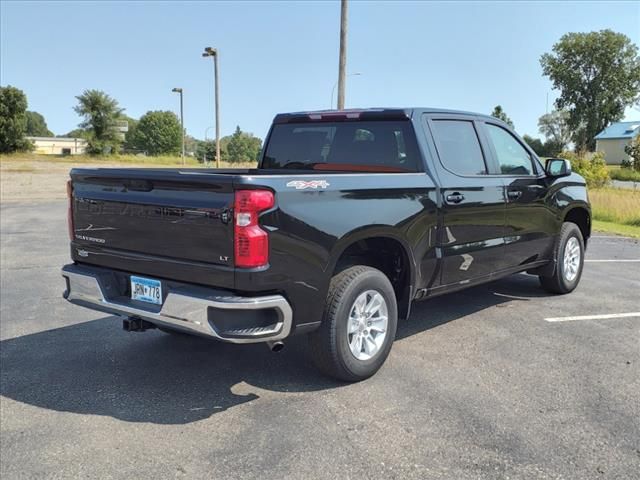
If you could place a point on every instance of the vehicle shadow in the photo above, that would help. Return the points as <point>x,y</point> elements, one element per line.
<point>95,368</point>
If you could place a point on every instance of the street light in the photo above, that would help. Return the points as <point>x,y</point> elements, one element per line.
<point>333,90</point>
<point>179,90</point>
<point>212,52</point>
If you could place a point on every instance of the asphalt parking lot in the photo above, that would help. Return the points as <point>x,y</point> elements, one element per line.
<point>479,384</point>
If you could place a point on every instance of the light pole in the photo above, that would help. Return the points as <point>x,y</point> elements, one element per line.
<point>179,90</point>
<point>212,52</point>
<point>333,90</point>
<point>342,63</point>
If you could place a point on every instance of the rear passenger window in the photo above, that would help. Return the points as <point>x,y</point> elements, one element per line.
<point>458,147</point>
<point>512,157</point>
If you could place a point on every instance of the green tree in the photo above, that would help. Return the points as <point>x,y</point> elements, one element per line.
<point>499,113</point>
<point>13,120</point>
<point>37,126</point>
<point>159,133</point>
<point>99,112</point>
<point>75,133</point>
<point>633,150</point>
<point>129,144</point>
<point>536,144</point>
<point>549,148</point>
<point>598,76</point>
<point>555,127</point>
<point>243,147</point>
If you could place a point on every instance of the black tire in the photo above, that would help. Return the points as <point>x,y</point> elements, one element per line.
<point>558,282</point>
<point>329,345</point>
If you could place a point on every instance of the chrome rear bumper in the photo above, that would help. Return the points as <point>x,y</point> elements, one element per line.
<point>186,308</point>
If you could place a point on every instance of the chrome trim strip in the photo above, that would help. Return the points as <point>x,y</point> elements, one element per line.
<point>185,312</point>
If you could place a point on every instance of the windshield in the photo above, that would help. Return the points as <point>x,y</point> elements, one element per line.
<point>374,146</point>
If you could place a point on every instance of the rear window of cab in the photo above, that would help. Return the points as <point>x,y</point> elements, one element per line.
<point>382,146</point>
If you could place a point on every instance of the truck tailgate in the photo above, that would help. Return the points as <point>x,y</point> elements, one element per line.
<point>163,213</point>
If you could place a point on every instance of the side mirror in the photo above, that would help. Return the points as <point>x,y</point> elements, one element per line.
<point>557,167</point>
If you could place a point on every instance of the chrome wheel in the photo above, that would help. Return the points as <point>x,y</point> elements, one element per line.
<point>367,329</point>
<point>572,257</point>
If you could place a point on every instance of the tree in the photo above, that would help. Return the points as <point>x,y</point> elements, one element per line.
<point>598,76</point>
<point>159,133</point>
<point>100,113</point>
<point>75,133</point>
<point>129,144</point>
<point>549,148</point>
<point>37,126</point>
<point>499,113</point>
<point>243,147</point>
<point>536,144</point>
<point>555,127</point>
<point>633,150</point>
<point>13,120</point>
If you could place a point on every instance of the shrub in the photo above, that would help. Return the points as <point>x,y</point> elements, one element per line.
<point>633,150</point>
<point>625,174</point>
<point>593,169</point>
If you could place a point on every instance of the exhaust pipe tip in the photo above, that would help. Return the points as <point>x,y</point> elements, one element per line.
<point>276,346</point>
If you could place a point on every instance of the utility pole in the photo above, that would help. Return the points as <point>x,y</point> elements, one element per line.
<point>212,52</point>
<point>179,90</point>
<point>342,66</point>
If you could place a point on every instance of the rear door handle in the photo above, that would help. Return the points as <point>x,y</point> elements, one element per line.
<point>514,194</point>
<point>455,198</point>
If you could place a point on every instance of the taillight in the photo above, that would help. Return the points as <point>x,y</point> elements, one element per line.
<point>70,210</point>
<point>251,241</point>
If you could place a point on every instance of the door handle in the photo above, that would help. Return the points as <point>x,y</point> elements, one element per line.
<point>514,194</point>
<point>455,198</point>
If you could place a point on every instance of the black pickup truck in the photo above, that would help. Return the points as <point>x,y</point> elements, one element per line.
<point>350,216</point>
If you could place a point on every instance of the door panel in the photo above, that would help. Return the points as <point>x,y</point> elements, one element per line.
<point>472,238</point>
<point>529,223</point>
<point>472,202</point>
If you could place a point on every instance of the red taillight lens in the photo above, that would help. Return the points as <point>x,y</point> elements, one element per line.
<point>251,242</point>
<point>70,210</point>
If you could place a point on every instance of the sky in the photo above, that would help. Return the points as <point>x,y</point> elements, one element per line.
<point>283,56</point>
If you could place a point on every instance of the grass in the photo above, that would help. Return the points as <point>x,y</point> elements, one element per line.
<point>616,205</point>
<point>17,161</point>
<point>616,229</point>
<point>623,174</point>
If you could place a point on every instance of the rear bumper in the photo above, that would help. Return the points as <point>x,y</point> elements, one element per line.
<point>188,308</point>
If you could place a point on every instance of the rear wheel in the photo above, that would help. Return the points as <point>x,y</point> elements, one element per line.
<point>569,254</point>
<point>359,325</point>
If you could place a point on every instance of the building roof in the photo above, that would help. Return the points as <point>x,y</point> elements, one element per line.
<point>57,139</point>
<point>620,130</point>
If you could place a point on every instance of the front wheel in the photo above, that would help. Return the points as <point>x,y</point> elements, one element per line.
<point>569,254</point>
<point>359,324</point>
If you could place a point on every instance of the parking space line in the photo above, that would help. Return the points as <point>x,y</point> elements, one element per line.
<point>593,317</point>
<point>615,260</point>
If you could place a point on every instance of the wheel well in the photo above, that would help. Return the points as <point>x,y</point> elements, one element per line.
<point>580,217</point>
<point>388,256</point>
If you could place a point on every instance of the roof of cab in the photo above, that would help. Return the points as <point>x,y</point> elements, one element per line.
<point>366,114</point>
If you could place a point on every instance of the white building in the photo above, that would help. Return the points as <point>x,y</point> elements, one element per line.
<point>613,139</point>
<point>59,145</point>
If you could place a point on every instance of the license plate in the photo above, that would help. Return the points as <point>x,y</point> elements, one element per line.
<point>146,290</point>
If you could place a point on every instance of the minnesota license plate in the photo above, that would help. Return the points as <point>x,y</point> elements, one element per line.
<point>146,290</point>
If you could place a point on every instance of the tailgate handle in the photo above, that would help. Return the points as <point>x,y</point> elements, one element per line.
<point>139,185</point>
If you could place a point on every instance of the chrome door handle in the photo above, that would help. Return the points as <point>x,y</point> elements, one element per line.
<point>514,194</point>
<point>455,198</point>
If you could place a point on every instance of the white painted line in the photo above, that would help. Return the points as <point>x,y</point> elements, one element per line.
<point>611,236</point>
<point>513,297</point>
<point>617,260</point>
<point>593,317</point>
